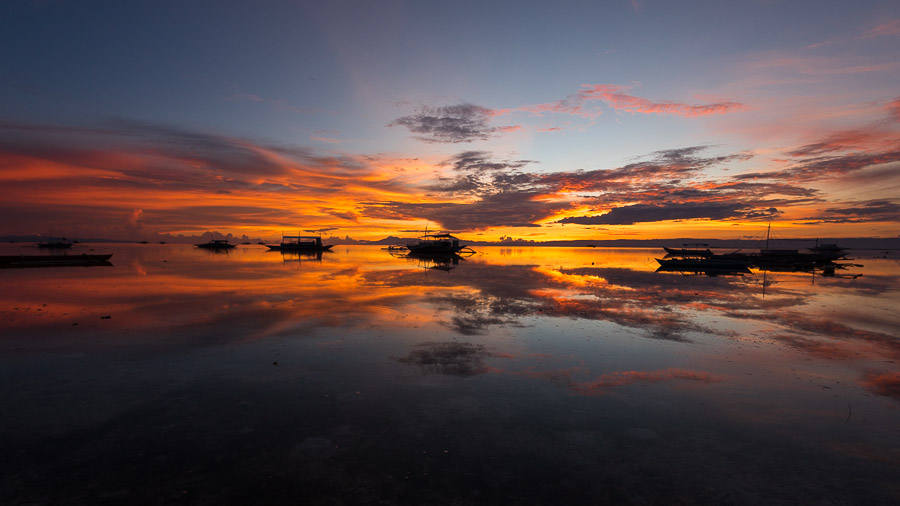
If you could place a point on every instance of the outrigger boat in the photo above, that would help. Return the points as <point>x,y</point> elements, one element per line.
<point>216,244</point>
<point>300,243</point>
<point>690,250</point>
<point>57,244</point>
<point>436,244</point>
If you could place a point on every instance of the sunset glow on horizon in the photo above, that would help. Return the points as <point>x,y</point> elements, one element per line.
<point>616,120</point>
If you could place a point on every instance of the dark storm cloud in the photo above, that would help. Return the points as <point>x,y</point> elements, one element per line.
<point>639,213</point>
<point>450,124</point>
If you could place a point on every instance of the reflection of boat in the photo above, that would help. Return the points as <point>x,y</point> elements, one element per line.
<point>713,262</point>
<point>299,243</point>
<point>437,243</point>
<point>690,250</point>
<point>298,255</point>
<point>395,247</point>
<point>436,261</point>
<point>53,260</point>
<point>738,270</point>
<point>216,244</point>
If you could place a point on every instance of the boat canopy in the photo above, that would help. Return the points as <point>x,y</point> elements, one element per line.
<point>437,236</point>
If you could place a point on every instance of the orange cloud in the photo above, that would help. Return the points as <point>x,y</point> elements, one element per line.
<point>90,182</point>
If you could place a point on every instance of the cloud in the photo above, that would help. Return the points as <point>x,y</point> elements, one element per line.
<point>825,167</point>
<point>480,161</point>
<point>637,213</point>
<point>893,109</point>
<point>890,28</point>
<point>659,188</point>
<point>861,212</point>
<point>616,97</point>
<point>183,181</point>
<point>451,124</point>
<point>504,209</point>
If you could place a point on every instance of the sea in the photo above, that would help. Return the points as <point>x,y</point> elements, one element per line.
<point>513,376</point>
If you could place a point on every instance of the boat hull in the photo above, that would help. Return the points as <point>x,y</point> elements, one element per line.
<point>299,249</point>
<point>215,246</point>
<point>428,249</point>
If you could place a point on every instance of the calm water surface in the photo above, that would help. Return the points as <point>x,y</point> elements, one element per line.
<point>515,376</point>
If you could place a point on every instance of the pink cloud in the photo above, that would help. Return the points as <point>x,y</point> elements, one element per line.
<point>894,109</point>
<point>615,96</point>
<point>886,29</point>
<point>607,381</point>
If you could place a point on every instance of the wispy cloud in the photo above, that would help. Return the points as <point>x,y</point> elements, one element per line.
<point>617,97</point>
<point>860,212</point>
<point>890,28</point>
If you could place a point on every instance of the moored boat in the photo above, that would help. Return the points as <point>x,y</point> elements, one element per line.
<point>690,250</point>
<point>216,244</point>
<point>57,244</point>
<point>436,244</point>
<point>300,243</point>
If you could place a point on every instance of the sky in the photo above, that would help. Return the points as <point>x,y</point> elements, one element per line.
<point>490,119</point>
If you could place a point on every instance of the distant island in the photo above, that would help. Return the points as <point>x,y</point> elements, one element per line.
<point>868,243</point>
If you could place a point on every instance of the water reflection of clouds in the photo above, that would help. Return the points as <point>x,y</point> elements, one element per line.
<point>887,384</point>
<point>251,295</point>
<point>451,358</point>
<point>577,379</point>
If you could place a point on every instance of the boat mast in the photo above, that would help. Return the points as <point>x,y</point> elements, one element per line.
<point>769,228</point>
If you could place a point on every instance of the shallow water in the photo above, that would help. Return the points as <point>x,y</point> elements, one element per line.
<point>515,376</point>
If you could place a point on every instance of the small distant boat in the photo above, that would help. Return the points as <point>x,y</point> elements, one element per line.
<point>57,244</point>
<point>828,251</point>
<point>216,244</point>
<point>436,244</point>
<point>300,243</point>
<point>8,261</point>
